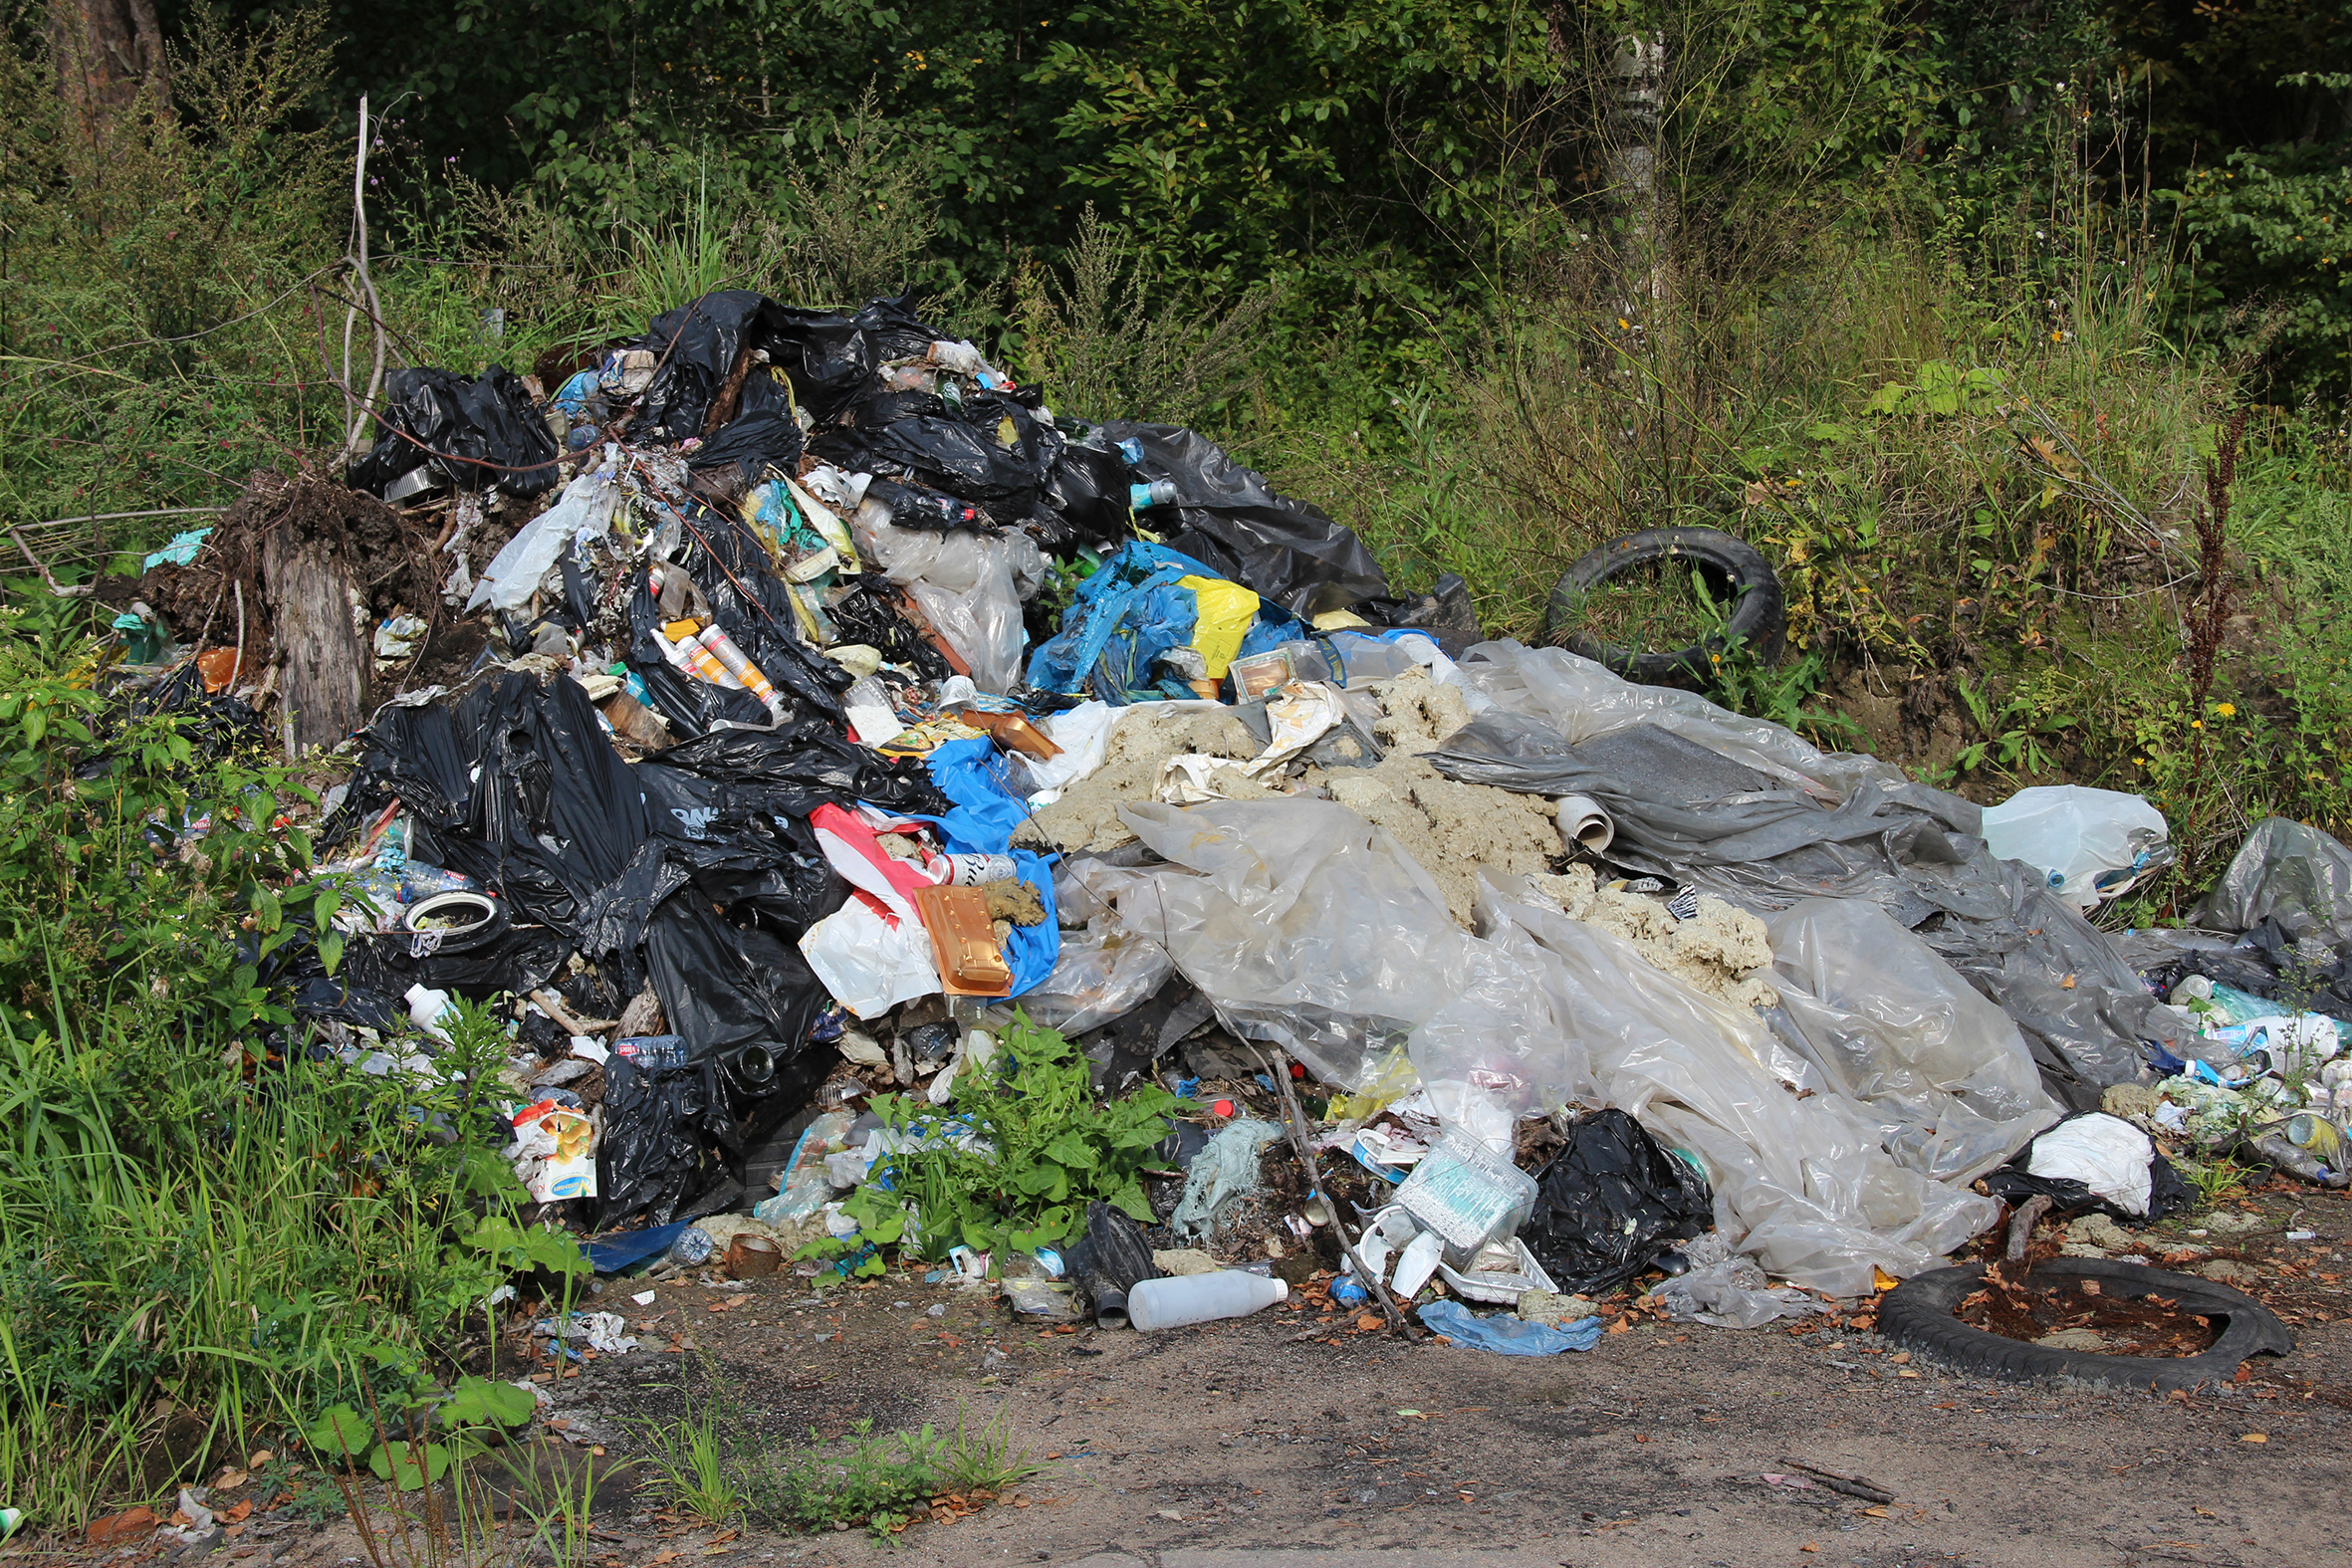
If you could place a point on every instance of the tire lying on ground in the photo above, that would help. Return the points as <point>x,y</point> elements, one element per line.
<point>1757,616</point>
<point>1918,1315</point>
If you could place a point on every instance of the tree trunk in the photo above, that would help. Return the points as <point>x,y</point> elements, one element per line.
<point>310,589</point>
<point>107,52</point>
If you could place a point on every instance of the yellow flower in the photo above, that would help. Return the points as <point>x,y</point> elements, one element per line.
<point>2227,709</point>
<point>2197,723</point>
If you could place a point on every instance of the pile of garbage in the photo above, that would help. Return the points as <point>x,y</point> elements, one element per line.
<point>797,730</point>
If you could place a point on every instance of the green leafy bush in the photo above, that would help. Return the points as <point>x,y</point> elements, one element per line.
<point>1012,1162</point>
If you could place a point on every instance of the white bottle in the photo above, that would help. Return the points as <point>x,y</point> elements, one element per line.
<point>1155,1304</point>
<point>426,1006</point>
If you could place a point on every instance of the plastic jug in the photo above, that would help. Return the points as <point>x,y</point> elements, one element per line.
<point>1155,1304</point>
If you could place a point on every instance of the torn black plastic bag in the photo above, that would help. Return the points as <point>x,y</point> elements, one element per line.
<point>961,457</point>
<point>439,417</point>
<point>1084,501</point>
<point>515,785</point>
<point>754,606</point>
<point>827,357</point>
<point>750,443</point>
<point>1611,1202</point>
<point>1228,518</point>
<point>739,853</point>
<point>695,348</point>
<point>869,611</point>
<point>664,1140</point>
<point>495,956</point>
<point>794,770</point>
<point>723,986</point>
<point>1686,811</point>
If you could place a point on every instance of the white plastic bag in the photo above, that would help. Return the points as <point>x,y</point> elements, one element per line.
<point>585,510</point>
<point>870,964</point>
<point>2104,1152</point>
<point>968,586</point>
<point>2092,844</point>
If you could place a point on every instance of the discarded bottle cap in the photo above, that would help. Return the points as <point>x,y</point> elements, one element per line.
<point>1221,1108</point>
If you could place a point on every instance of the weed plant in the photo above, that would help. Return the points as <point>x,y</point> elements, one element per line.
<point>197,1211</point>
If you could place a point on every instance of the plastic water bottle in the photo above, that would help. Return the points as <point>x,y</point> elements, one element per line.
<point>1155,1304</point>
<point>419,882</point>
<point>648,1053</point>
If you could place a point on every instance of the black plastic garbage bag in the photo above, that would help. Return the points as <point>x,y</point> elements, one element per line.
<point>740,854</point>
<point>794,770</point>
<point>963,457</point>
<point>869,611</point>
<point>724,987</point>
<point>1110,1260</point>
<point>750,443</point>
<point>1084,500</point>
<point>495,956</point>
<point>663,1142</point>
<point>827,357</point>
<point>894,329</point>
<point>557,813</point>
<point>695,348</point>
<point>1611,1203</point>
<point>439,417</point>
<point>1226,517</point>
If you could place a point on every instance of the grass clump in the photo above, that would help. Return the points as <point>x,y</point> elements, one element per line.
<point>885,1482</point>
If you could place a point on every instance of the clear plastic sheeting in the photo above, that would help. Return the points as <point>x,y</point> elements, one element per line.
<point>1890,1025</point>
<point>1582,701</point>
<point>1725,1290</point>
<point>585,510</point>
<point>1801,1185</point>
<point>2288,872</point>
<point>1305,925</point>
<point>1727,804</point>
<point>969,587</point>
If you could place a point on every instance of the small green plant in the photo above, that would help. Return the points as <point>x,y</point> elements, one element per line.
<point>699,1456</point>
<point>1742,681</point>
<point>2015,734</point>
<point>421,1442</point>
<point>884,1482</point>
<point>2215,1179</point>
<point>1021,1148</point>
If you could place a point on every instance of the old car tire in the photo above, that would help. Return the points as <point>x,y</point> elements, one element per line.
<point>1918,1315</point>
<point>1757,616</point>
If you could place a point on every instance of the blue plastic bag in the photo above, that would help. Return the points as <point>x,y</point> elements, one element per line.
<point>1508,1336</point>
<point>969,772</point>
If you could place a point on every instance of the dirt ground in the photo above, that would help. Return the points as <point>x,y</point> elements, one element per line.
<point>1285,1439</point>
